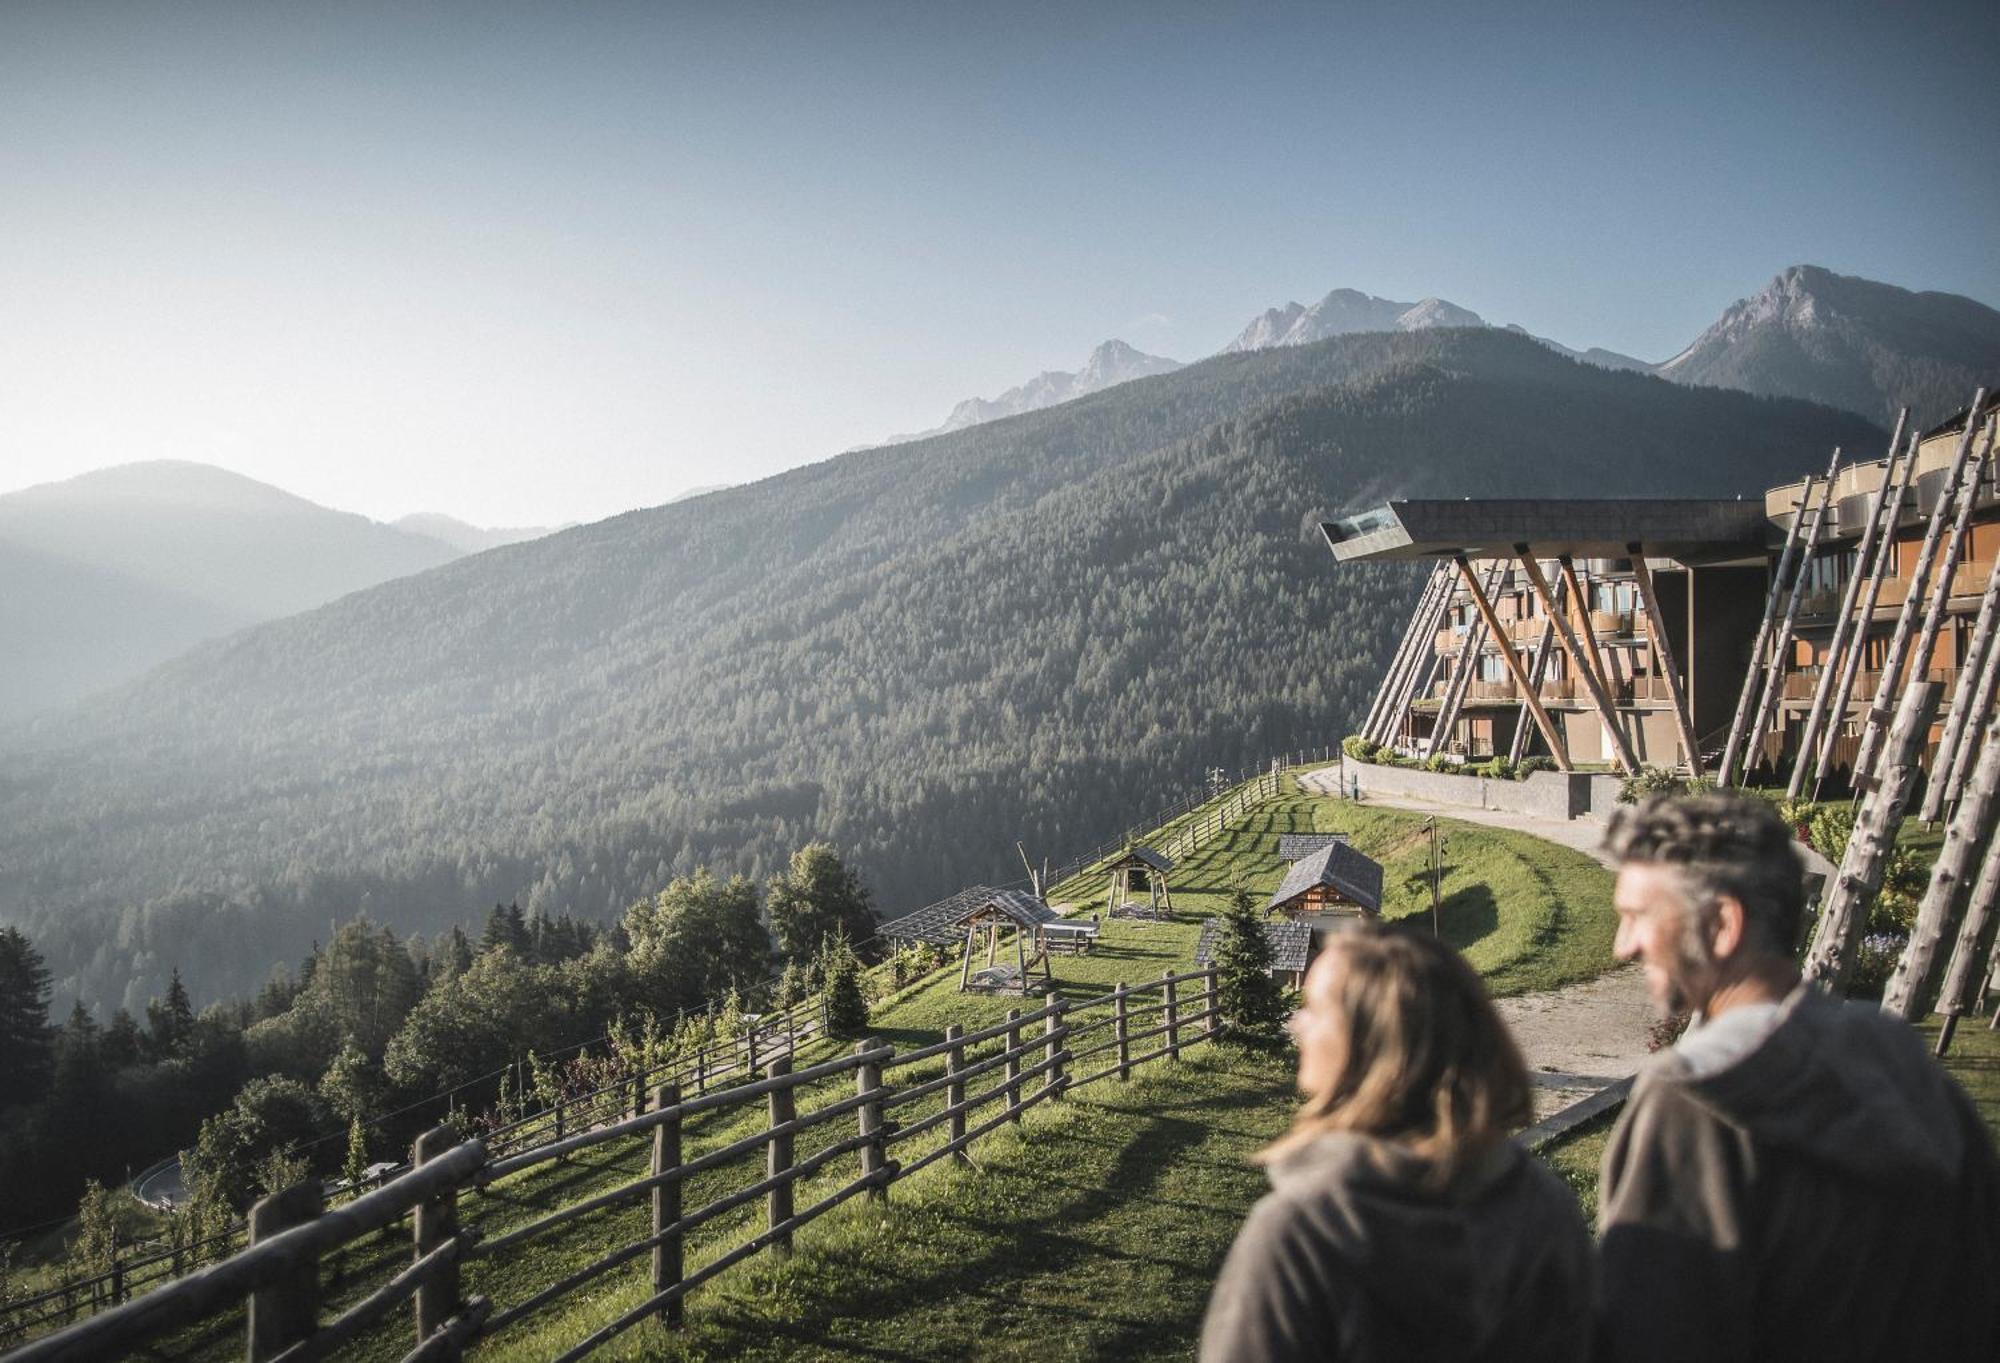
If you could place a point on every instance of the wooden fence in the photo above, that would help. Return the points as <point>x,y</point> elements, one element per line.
<point>871,1118</point>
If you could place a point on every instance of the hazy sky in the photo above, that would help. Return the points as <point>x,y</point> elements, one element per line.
<point>535,263</point>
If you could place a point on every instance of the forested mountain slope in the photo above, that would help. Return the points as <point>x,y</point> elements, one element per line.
<point>1033,629</point>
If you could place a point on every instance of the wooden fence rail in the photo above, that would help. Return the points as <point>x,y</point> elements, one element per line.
<point>279,1275</point>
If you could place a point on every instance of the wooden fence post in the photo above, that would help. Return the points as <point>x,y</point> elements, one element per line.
<point>750,1039</point>
<point>954,1092</point>
<point>1052,1028</point>
<point>1173,1016</point>
<point>1123,1030</point>
<point>1209,1002</point>
<point>668,1254</point>
<point>1014,1064</point>
<point>287,1311</point>
<point>868,1081</point>
<point>778,1202</point>
<point>435,1221</point>
<point>701,1071</point>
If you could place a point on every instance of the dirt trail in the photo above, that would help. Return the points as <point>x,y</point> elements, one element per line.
<point>1577,1039</point>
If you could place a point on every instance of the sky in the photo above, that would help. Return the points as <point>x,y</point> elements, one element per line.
<point>534,264</point>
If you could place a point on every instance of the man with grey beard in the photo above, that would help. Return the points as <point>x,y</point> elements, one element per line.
<point>1795,1178</point>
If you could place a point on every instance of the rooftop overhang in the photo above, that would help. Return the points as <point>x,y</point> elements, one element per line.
<point>1687,531</point>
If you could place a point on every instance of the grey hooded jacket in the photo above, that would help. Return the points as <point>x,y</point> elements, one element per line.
<point>1802,1184</point>
<point>1352,1256</point>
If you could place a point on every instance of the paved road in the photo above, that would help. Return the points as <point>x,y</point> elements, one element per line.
<point>1578,1039</point>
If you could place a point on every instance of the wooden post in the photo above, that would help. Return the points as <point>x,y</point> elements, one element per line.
<point>778,1155</point>
<point>1960,994</point>
<point>1965,840</point>
<point>1864,616</point>
<point>1514,668</point>
<point>1461,680</point>
<point>954,1092</point>
<point>1052,1029</point>
<point>1210,1002</point>
<point>1746,698</point>
<point>1423,625</point>
<point>1892,666</point>
<point>669,1251</point>
<point>1868,847</point>
<point>1816,713</point>
<point>701,1071</point>
<point>288,1310</point>
<point>1173,1016</point>
<point>1774,675</point>
<point>868,1086</point>
<point>1580,662</point>
<point>1979,708</point>
<point>1122,1029</point>
<point>1663,656</point>
<point>1947,770</point>
<point>435,1222</point>
<point>971,945</point>
<point>1014,1064</point>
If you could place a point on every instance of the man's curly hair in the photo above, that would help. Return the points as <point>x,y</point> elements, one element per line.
<point>1722,843</point>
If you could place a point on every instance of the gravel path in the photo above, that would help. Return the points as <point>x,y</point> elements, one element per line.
<point>1576,1040</point>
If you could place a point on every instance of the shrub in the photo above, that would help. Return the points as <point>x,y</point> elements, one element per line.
<point>1649,781</point>
<point>1497,769</point>
<point>1829,831</point>
<point>1359,748</point>
<point>1438,761</point>
<point>1527,766</point>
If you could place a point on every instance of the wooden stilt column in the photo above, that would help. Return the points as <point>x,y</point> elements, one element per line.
<point>1948,768</point>
<point>1406,652</point>
<point>1773,690</point>
<point>1874,836</point>
<point>1579,614</point>
<point>1906,618</point>
<point>1843,621</point>
<point>1746,699</point>
<point>1544,647</point>
<point>1663,657</point>
<point>1979,708</point>
<point>1461,680</point>
<point>1960,994</point>
<point>1579,661</point>
<point>1533,701</point>
<point>1864,616</point>
<point>1423,661</point>
<point>1938,914</point>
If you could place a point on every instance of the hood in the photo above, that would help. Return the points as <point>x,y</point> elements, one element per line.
<point>1422,1255</point>
<point>1846,1086</point>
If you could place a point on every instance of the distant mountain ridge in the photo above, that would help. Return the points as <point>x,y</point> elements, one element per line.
<point>467,538</point>
<point>1851,343</point>
<point>1111,363</point>
<point>114,571</point>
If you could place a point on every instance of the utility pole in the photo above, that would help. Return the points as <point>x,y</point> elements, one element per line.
<point>1437,871</point>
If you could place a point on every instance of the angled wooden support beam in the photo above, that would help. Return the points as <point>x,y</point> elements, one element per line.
<point>1864,617</point>
<point>1773,690</point>
<point>1579,661</point>
<point>1843,622</point>
<point>1461,680</point>
<point>1405,651</point>
<point>1961,730</point>
<point>1423,667</point>
<point>1979,710</point>
<point>1663,657</point>
<point>1916,599</point>
<point>1746,699</point>
<point>1537,670</point>
<point>1579,615</point>
<point>1514,668</point>
<point>1960,994</point>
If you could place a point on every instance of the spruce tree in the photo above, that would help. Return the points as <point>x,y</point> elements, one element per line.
<point>846,1005</point>
<point>25,1036</point>
<point>1245,992</point>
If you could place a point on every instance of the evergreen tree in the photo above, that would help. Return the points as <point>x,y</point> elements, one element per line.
<point>355,1163</point>
<point>454,954</point>
<point>507,927</point>
<point>123,1044</point>
<point>817,897</point>
<point>1245,991</point>
<point>170,1022</point>
<point>26,1055</point>
<point>846,1005</point>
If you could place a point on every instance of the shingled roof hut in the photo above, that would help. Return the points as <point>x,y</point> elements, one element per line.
<point>1136,869</point>
<point>1291,946</point>
<point>995,912</point>
<point>1333,883</point>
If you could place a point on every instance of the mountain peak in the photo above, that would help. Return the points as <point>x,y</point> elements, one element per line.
<point>1343,312</point>
<point>1109,363</point>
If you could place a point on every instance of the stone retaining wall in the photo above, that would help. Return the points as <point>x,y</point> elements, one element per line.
<point>1544,795</point>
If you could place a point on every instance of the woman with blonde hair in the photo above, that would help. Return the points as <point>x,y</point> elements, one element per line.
<point>1402,1222</point>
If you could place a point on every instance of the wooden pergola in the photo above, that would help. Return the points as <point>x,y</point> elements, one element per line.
<point>994,914</point>
<point>1140,862</point>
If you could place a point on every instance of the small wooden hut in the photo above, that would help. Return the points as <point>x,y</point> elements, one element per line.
<point>995,913</point>
<point>1140,870</point>
<point>1330,887</point>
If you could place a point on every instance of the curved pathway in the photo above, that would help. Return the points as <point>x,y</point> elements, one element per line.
<point>1578,1039</point>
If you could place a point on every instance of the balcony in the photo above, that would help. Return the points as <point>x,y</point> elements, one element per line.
<point>1612,624</point>
<point>1493,690</point>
